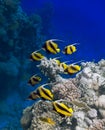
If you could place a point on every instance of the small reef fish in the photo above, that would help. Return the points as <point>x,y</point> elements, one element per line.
<point>42,93</point>
<point>47,120</point>
<point>34,80</point>
<point>62,109</point>
<point>70,49</point>
<point>45,93</point>
<point>51,47</point>
<point>81,104</point>
<point>64,65</point>
<point>36,56</point>
<point>57,61</point>
<point>72,68</point>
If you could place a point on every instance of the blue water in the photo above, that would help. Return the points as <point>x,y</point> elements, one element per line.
<point>73,21</point>
<point>77,21</point>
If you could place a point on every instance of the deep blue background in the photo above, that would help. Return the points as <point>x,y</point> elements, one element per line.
<point>77,21</point>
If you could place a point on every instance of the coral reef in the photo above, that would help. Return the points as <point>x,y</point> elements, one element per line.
<point>66,90</point>
<point>14,30</point>
<point>84,94</point>
<point>31,118</point>
<point>50,69</point>
<point>20,34</point>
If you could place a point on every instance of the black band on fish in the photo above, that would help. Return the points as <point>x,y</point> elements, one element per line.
<point>73,68</point>
<point>36,55</point>
<point>71,49</point>
<point>35,79</point>
<point>60,107</point>
<point>52,46</point>
<point>66,50</point>
<point>46,93</point>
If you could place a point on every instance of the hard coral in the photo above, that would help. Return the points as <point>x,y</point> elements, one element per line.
<point>44,109</point>
<point>98,125</point>
<point>86,94</point>
<point>50,69</point>
<point>66,90</point>
<point>11,4</point>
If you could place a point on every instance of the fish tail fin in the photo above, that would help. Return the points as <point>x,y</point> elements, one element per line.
<point>71,109</point>
<point>58,50</point>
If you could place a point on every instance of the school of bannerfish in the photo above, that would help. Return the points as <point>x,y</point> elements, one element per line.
<point>65,103</point>
<point>43,93</point>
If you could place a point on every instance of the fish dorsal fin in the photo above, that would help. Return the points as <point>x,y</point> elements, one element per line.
<point>70,109</point>
<point>65,62</point>
<point>52,40</point>
<point>46,84</point>
<point>77,62</point>
<point>57,58</point>
<point>35,74</point>
<point>37,50</point>
<point>74,44</point>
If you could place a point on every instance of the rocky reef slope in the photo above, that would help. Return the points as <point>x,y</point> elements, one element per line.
<point>85,94</point>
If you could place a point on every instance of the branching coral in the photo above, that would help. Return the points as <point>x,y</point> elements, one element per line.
<point>50,69</point>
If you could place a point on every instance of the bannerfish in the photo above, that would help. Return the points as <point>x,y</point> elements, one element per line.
<point>57,61</point>
<point>51,47</point>
<point>81,104</point>
<point>70,49</point>
<point>62,109</point>
<point>73,68</point>
<point>47,120</point>
<point>34,80</point>
<point>64,65</point>
<point>42,93</point>
<point>36,56</point>
<point>45,93</point>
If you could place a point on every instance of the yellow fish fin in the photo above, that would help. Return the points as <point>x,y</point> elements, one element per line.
<point>58,50</point>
